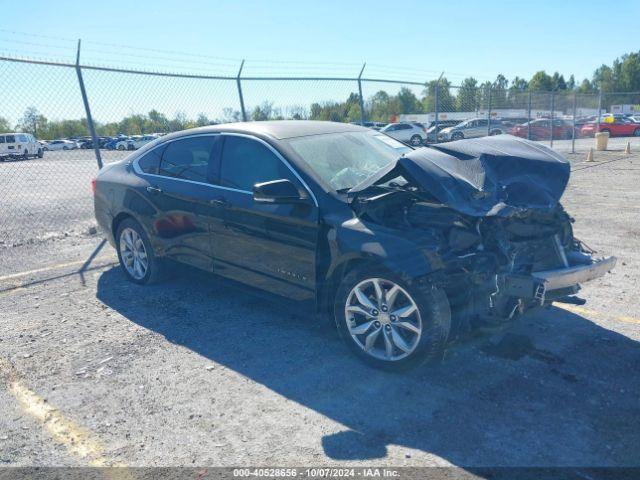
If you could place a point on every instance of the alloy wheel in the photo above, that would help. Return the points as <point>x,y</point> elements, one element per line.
<point>383,319</point>
<point>133,253</point>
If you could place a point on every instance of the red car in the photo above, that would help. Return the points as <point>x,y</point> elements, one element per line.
<point>619,128</point>
<point>541,129</point>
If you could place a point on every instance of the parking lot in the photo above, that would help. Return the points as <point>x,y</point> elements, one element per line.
<point>97,371</point>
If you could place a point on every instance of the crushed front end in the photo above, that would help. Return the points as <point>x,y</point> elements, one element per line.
<point>505,243</point>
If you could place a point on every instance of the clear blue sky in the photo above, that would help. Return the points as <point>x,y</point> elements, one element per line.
<point>409,40</point>
<point>480,38</point>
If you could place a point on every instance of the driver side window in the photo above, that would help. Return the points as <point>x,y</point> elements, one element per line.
<point>246,162</point>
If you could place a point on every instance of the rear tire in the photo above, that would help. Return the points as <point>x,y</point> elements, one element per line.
<point>416,337</point>
<point>40,153</point>
<point>135,253</point>
<point>636,132</point>
<point>606,130</point>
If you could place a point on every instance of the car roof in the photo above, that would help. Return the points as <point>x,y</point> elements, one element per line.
<point>278,129</point>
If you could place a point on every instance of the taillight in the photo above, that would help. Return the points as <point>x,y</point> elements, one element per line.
<point>93,185</point>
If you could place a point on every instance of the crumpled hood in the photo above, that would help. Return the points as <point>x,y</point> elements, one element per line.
<point>498,175</point>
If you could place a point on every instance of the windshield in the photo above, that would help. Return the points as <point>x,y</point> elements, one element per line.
<point>343,160</point>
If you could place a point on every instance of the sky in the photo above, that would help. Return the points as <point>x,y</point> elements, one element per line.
<point>409,40</point>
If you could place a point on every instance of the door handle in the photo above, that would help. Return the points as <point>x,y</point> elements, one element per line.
<point>219,202</point>
<point>154,190</point>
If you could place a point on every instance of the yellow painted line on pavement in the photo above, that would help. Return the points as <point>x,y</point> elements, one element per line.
<point>78,441</point>
<point>594,313</point>
<point>48,269</point>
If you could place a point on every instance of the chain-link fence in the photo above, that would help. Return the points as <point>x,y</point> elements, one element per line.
<point>59,122</point>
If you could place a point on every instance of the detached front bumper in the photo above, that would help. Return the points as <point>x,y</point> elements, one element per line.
<point>570,276</point>
<point>541,285</point>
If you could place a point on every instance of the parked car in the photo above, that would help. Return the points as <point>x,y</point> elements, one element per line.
<point>111,143</point>
<point>540,129</point>
<point>403,247</point>
<point>406,132</point>
<point>134,142</point>
<point>432,131</point>
<point>62,144</point>
<point>472,128</point>
<point>19,145</point>
<point>620,127</point>
<point>88,143</point>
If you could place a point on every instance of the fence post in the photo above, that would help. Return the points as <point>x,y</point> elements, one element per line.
<point>599,108</point>
<point>489,114</point>
<point>362,115</point>
<point>436,108</point>
<point>85,100</point>
<point>529,118</point>
<point>553,106</point>
<point>573,130</point>
<point>242,110</point>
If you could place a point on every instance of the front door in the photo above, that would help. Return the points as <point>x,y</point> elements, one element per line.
<point>269,246</point>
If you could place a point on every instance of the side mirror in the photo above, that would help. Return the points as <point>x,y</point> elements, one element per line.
<point>277,191</point>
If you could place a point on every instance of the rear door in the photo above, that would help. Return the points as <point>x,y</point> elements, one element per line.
<point>268,246</point>
<point>179,191</point>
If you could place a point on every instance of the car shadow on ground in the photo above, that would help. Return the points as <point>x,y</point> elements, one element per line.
<point>556,390</point>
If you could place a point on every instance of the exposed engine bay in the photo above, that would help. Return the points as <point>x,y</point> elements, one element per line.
<point>504,241</point>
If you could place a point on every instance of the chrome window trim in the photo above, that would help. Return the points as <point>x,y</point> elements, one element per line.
<point>138,170</point>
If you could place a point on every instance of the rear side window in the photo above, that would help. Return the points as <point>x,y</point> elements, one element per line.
<point>11,138</point>
<point>150,161</point>
<point>188,158</point>
<point>246,162</point>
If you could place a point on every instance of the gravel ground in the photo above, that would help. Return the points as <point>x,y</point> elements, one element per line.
<point>197,372</point>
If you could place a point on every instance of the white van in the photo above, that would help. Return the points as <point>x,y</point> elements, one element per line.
<point>19,145</point>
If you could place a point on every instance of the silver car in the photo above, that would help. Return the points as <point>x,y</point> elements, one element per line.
<point>406,132</point>
<point>472,128</point>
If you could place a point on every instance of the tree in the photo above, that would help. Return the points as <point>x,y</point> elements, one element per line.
<point>518,84</point>
<point>541,82</point>
<point>31,121</point>
<point>408,102</point>
<point>446,103</point>
<point>558,82</point>
<point>264,111</point>
<point>230,115</point>
<point>467,98</point>
<point>499,92</point>
<point>4,125</point>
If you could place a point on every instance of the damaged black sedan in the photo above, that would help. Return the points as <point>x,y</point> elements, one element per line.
<point>405,248</point>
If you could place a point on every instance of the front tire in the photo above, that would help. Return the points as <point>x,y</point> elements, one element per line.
<point>457,136</point>
<point>636,132</point>
<point>135,253</point>
<point>40,153</point>
<point>388,323</point>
